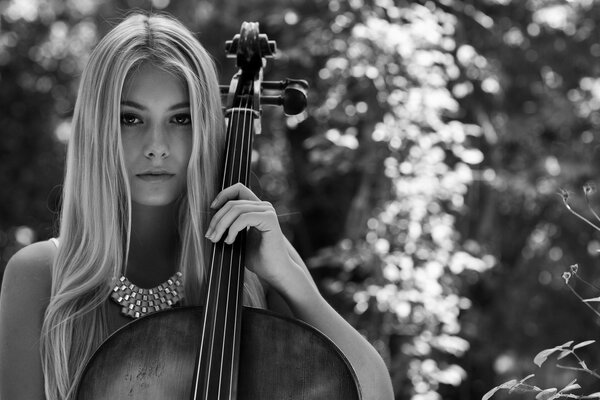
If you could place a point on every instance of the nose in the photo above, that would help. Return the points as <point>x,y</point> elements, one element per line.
<point>156,146</point>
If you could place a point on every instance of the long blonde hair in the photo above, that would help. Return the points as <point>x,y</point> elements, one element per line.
<point>95,220</point>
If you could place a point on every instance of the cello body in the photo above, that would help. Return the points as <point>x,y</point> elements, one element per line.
<point>280,358</point>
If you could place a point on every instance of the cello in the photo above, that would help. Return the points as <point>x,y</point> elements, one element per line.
<point>223,350</point>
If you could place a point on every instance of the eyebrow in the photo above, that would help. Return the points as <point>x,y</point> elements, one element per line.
<point>130,103</point>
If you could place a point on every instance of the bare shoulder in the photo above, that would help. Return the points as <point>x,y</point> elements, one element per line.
<point>27,282</point>
<point>29,270</point>
<point>24,297</point>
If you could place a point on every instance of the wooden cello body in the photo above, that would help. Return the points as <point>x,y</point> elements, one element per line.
<point>280,358</point>
<point>224,351</point>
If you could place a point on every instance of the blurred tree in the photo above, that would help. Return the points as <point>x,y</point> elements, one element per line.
<point>528,73</point>
<point>42,48</point>
<point>387,126</point>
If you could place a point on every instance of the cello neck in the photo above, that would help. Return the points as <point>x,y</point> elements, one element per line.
<point>217,363</point>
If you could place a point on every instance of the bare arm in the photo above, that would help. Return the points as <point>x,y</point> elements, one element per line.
<point>23,301</point>
<point>307,304</point>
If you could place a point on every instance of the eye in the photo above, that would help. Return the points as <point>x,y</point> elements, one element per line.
<point>130,119</point>
<point>182,119</point>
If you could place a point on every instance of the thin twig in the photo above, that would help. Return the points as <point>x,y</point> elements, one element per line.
<point>582,300</point>
<point>586,282</point>
<point>587,200</point>
<point>589,371</point>
<point>581,217</point>
<point>584,365</point>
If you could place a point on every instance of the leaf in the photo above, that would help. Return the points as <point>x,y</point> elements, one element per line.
<point>546,394</point>
<point>563,354</point>
<point>583,344</point>
<point>543,355</point>
<point>505,385</point>
<point>527,378</point>
<point>566,344</point>
<point>570,387</point>
<point>593,395</point>
<point>523,388</point>
<point>508,384</point>
<point>490,393</point>
<point>592,300</point>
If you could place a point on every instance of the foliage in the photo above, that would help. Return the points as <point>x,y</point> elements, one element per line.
<point>566,349</point>
<point>533,105</point>
<point>400,256</point>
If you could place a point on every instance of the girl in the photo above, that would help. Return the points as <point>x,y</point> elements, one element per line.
<point>140,178</point>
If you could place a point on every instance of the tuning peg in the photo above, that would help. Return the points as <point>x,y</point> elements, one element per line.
<point>281,85</point>
<point>293,98</point>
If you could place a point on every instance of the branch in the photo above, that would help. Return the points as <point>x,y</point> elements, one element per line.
<point>589,371</point>
<point>565,198</point>
<point>582,300</point>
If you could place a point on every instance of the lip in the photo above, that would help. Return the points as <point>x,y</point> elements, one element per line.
<point>155,176</point>
<point>155,171</point>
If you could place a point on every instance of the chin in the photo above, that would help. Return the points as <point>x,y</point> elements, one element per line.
<point>155,201</point>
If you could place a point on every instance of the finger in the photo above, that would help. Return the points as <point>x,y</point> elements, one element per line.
<point>226,208</point>
<point>227,219</point>
<point>227,214</point>
<point>261,220</point>
<point>233,192</point>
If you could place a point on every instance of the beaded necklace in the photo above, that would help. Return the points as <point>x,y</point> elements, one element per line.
<point>137,302</point>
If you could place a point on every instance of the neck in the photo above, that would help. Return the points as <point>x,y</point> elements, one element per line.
<point>154,244</point>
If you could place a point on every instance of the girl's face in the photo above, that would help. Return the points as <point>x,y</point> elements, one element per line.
<point>156,131</point>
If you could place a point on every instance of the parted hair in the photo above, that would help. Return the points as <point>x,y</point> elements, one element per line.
<point>95,217</point>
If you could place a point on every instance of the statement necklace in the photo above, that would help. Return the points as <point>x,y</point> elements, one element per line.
<point>137,302</point>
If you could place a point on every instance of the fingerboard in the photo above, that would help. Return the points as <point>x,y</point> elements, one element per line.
<point>217,362</point>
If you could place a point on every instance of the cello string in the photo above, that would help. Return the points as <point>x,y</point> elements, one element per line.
<point>233,133</point>
<point>243,176</point>
<point>208,291</point>
<point>234,278</point>
<point>228,181</point>
<point>211,296</point>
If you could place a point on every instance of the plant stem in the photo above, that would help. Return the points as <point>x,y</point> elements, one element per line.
<point>589,371</point>
<point>581,217</point>
<point>581,299</point>
<point>586,282</point>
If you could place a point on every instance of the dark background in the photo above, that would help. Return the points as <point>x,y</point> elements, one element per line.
<point>421,186</point>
